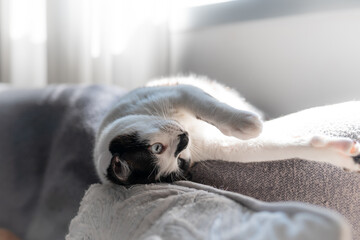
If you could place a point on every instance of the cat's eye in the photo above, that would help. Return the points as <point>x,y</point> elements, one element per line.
<point>157,148</point>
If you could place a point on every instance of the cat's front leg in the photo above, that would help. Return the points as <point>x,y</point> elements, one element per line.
<point>339,151</point>
<point>230,121</point>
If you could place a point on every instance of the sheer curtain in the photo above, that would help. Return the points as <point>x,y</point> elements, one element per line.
<point>83,41</point>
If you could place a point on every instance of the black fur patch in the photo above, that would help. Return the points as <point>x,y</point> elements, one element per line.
<point>357,159</point>
<point>140,159</point>
<point>184,165</point>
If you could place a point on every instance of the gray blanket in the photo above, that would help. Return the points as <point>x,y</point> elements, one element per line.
<point>46,139</point>
<point>46,142</point>
<point>191,211</point>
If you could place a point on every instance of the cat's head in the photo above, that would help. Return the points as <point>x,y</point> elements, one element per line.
<point>142,149</point>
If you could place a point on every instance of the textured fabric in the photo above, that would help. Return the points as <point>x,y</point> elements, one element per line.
<point>163,211</point>
<point>290,180</point>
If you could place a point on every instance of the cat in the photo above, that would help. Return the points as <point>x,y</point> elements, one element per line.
<point>155,134</point>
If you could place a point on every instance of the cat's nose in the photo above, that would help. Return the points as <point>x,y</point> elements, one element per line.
<point>183,142</point>
<point>184,139</point>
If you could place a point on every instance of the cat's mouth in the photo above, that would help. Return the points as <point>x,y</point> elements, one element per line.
<point>184,164</point>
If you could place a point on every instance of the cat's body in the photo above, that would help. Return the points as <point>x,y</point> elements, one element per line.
<point>156,132</point>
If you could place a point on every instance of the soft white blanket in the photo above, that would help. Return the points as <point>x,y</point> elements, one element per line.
<point>187,210</point>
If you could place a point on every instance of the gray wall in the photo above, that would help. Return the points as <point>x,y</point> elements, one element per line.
<point>282,62</point>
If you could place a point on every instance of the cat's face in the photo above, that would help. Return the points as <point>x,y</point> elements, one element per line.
<point>154,150</point>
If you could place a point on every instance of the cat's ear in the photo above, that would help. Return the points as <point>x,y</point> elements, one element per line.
<point>120,168</point>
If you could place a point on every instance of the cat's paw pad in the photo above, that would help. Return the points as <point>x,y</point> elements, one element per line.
<point>244,127</point>
<point>344,145</point>
<point>347,149</point>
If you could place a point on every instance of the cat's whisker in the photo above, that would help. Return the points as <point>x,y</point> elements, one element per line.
<point>164,108</point>
<point>205,165</point>
<point>154,169</point>
<point>149,111</point>
<point>181,176</point>
<point>195,151</point>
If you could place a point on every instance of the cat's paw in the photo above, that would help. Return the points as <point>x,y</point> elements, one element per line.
<point>344,145</point>
<point>244,126</point>
<point>346,150</point>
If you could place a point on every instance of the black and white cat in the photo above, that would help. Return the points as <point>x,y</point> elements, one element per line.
<point>155,133</point>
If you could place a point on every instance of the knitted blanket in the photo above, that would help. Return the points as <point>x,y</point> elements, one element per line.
<point>187,210</point>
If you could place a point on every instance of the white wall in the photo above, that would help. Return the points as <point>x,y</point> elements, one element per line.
<point>282,64</point>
